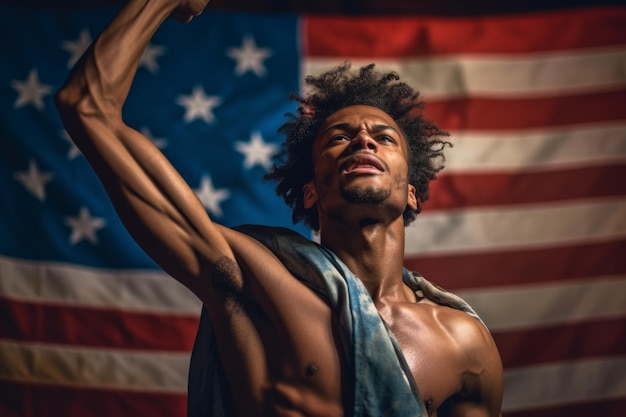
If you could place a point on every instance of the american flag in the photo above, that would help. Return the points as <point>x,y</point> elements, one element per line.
<point>527,222</point>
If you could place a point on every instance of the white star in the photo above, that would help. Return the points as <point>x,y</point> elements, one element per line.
<point>198,105</point>
<point>149,56</point>
<point>73,152</point>
<point>210,197</point>
<point>257,152</point>
<point>30,91</point>
<point>78,47</point>
<point>249,57</point>
<point>34,180</point>
<point>84,226</point>
<point>158,142</point>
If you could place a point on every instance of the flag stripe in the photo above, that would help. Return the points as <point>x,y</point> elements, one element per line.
<point>502,76</point>
<point>540,305</point>
<point>72,285</point>
<point>537,150</point>
<point>612,407</point>
<point>520,227</point>
<point>465,191</point>
<point>588,339</point>
<point>19,399</point>
<point>401,37</point>
<point>151,371</point>
<point>560,383</point>
<point>477,113</point>
<point>117,329</point>
<point>515,267</point>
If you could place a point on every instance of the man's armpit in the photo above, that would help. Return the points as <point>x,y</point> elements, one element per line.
<point>226,277</point>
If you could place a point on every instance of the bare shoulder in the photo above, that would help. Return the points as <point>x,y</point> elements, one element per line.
<point>470,333</point>
<point>482,376</point>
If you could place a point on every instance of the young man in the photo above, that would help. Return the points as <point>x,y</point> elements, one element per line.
<point>289,327</point>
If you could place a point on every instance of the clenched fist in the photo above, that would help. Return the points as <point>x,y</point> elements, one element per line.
<point>187,9</point>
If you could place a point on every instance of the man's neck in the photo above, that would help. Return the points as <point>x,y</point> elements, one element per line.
<point>373,252</point>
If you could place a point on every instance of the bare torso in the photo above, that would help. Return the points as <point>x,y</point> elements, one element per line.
<point>262,328</point>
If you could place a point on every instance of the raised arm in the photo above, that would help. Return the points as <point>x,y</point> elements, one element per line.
<point>158,208</point>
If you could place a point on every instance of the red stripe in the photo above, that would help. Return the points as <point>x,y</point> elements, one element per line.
<point>601,408</point>
<point>502,268</point>
<point>418,36</point>
<point>25,400</point>
<point>63,324</point>
<point>495,189</point>
<point>524,113</point>
<point>561,343</point>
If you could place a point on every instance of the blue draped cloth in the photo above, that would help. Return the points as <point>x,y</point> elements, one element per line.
<point>382,382</point>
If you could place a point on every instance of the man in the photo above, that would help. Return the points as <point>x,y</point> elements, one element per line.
<point>290,327</point>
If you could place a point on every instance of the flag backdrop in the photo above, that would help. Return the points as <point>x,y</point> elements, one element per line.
<point>527,222</point>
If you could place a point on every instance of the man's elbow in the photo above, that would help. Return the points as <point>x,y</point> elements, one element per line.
<point>77,104</point>
<point>68,100</point>
<point>62,100</point>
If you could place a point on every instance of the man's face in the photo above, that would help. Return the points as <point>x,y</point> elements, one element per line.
<point>360,158</point>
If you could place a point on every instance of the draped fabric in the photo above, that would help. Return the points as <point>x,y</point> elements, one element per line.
<point>381,380</point>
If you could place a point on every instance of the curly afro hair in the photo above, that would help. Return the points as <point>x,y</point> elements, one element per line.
<point>338,88</point>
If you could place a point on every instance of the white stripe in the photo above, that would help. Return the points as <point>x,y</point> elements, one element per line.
<point>519,227</point>
<point>532,75</point>
<point>573,146</point>
<point>557,384</point>
<point>541,304</point>
<point>139,291</point>
<point>92,368</point>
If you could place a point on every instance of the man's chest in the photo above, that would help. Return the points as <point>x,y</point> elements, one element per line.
<point>432,353</point>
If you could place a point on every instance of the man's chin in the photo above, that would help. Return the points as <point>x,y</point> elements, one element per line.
<point>367,195</point>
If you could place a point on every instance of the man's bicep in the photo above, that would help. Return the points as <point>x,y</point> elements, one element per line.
<point>482,383</point>
<point>491,378</point>
<point>480,397</point>
<point>157,206</point>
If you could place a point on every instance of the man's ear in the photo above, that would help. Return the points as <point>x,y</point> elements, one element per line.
<point>412,198</point>
<point>310,195</point>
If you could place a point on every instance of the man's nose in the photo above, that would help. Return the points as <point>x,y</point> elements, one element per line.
<point>363,140</point>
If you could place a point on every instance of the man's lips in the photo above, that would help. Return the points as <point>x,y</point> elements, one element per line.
<point>363,164</point>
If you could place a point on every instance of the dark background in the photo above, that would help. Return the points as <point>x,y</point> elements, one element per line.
<point>359,7</point>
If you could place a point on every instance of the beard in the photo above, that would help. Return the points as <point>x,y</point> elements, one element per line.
<point>368,195</point>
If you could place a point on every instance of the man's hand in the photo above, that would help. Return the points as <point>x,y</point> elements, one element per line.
<point>188,9</point>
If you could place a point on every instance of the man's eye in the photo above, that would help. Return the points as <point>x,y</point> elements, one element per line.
<point>338,138</point>
<point>385,138</point>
